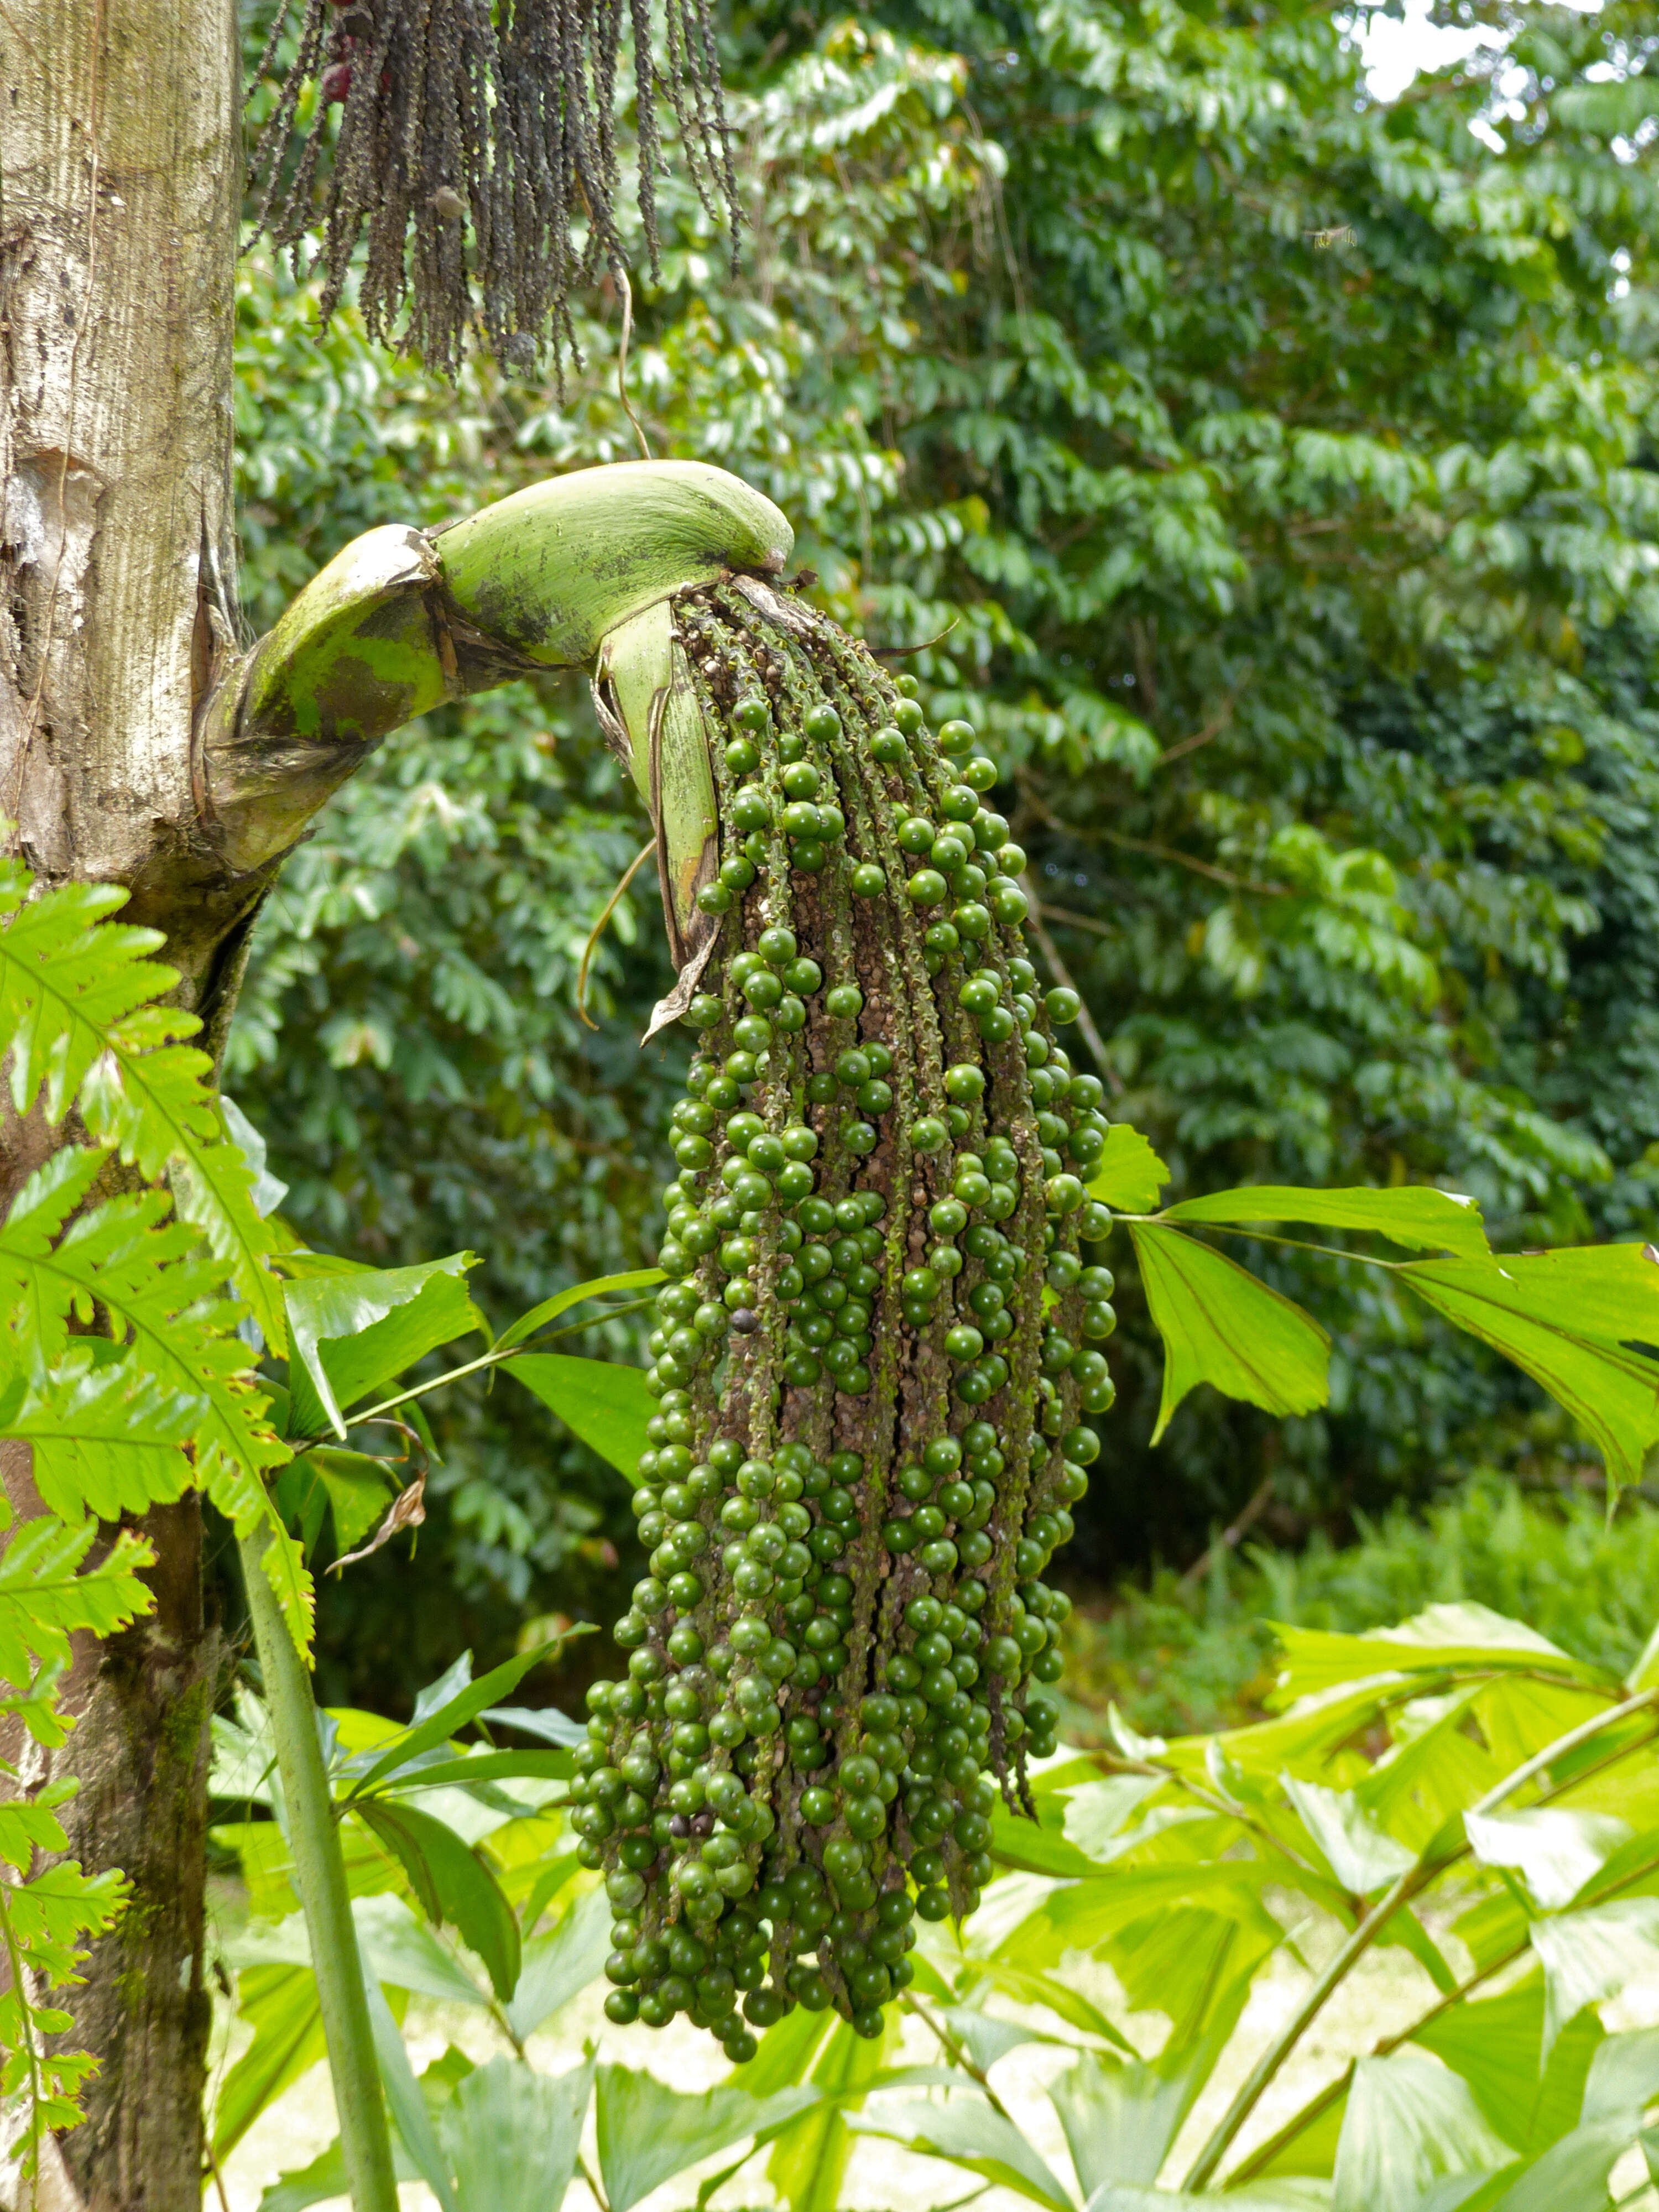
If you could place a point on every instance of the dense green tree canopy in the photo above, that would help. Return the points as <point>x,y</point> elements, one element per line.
<point>1268,470</point>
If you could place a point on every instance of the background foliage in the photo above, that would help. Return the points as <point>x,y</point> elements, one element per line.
<point>1278,464</point>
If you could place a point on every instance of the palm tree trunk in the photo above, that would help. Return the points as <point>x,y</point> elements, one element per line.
<point>120,185</point>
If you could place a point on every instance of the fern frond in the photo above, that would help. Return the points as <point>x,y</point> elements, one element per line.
<point>77,1013</point>
<point>186,1375</point>
<point>42,1925</point>
<point>106,1439</point>
<point>44,1593</point>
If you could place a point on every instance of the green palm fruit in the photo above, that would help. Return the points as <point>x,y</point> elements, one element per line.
<point>868,1438</point>
<point>870,1360</point>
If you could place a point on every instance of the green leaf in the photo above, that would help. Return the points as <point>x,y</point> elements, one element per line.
<point>281,2001</point>
<point>1129,1174</point>
<point>403,1953</point>
<point>436,1727</point>
<point>161,1299</point>
<point>809,2152</point>
<point>45,1594</point>
<point>984,2036</point>
<point>358,1486</point>
<point>1420,1216</point>
<point>550,1309</point>
<point>409,2117</point>
<point>1583,1324</point>
<point>1590,1955</point>
<point>546,1722</point>
<point>1623,2078</point>
<point>1553,1848</point>
<point>1220,1325</point>
<point>966,2131</point>
<point>648,2132</point>
<point>106,1438</point>
<point>267,1192</point>
<point>42,1924</point>
<point>324,2178</point>
<point>1360,1854</point>
<point>353,1334</point>
<point>1410,2123</point>
<point>1058,1998</point>
<point>479,1765</point>
<point>559,1966</point>
<point>606,1406</point>
<point>451,1883</point>
<point>1279,2195</point>
<point>1571,2176</point>
<point>1039,1846</point>
<point>296,2188</point>
<point>1459,1634</point>
<point>74,1013</point>
<point>1496,2045</point>
<point>1120,2120</point>
<point>511,2136</point>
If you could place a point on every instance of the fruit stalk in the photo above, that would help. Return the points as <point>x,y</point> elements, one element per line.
<point>867,1441</point>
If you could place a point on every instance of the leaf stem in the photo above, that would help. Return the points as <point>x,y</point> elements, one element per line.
<point>487,1360</point>
<point>592,2180</point>
<point>956,2053</point>
<point>1416,1878</point>
<point>1265,2154</point>
<point>319,1876</point>
<point>1267,1237</point>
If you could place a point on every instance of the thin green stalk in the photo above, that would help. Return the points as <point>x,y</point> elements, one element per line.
<point>488,1360</point>
<point>956,2052</point>
<point>1263,2155</point>
<point>1265,1236</point>
<point>1415,1878</point>
<point>320,1878</point>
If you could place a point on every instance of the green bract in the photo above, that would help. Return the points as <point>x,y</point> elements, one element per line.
<point>867,1438</point>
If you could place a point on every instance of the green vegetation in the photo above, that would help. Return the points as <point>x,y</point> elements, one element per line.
<point>1458,1790</point>
<point>759,1796</point>
<point>1271,475</point>
<point>1179,1656</point>
<point>1216,412</point>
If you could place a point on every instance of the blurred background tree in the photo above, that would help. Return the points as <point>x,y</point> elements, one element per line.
<point>1269,471</point>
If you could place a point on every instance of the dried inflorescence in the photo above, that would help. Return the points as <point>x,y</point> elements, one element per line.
<point>868,1440</point>
<point>501,117</point>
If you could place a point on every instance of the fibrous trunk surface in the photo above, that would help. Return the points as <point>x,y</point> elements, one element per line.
<point>119,185</point>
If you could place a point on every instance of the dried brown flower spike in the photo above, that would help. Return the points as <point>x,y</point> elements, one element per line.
<point>476,149</point>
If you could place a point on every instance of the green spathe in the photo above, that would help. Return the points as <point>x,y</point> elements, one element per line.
<point>398,621</point>
<point>550,571</point>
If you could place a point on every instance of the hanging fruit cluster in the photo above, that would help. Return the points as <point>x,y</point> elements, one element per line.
<point>873,1352</point>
